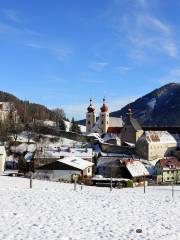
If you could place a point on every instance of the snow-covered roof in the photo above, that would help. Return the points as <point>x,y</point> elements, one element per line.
<point>78,152</point>
<point>76,162</point>
<point>23,147</point>
<point>66,152</point>
<point>136,168</point>
<point>108,137</point>
<point>169,163</point>
<point>49,123</point>
<point>158,137</point>
<point>115,122</point>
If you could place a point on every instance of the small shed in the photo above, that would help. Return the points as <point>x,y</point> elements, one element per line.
<point>64,169</point>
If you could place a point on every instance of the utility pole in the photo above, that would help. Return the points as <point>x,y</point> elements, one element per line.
<point>31,175</point>
<point>111,179</point>
<point>144,185</point>
<point>75,181</point>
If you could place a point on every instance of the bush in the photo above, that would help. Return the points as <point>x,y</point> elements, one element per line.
<point>129,184</point>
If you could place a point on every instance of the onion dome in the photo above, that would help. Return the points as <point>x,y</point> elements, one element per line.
<point>104,107</point>
<point>129,110</point>
<point>129,113</point>
<point>91,108</point>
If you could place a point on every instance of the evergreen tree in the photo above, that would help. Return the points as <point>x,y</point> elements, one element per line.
<point>62,125</point>
<point>74,127</point>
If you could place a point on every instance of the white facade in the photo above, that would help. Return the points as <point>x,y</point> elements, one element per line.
<point>156,144</point>
<point>90,121</point>
<point>2,158</point>
<point>56,175</point>
<point>63,169</point>
<point>104,121</point>
<point>66,175</point>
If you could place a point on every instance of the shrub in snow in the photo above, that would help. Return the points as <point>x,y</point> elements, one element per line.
<point>129,184</point>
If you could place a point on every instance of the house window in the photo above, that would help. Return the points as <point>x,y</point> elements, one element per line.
<point>89,122</point>
<point>89,170</point>
<point>102,122</point>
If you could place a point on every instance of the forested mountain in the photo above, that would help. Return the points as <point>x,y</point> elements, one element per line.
<point>160,107</point>
<point>29,111</point>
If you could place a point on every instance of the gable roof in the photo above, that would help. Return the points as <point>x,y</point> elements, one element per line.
<point>158,137</point>
<point>136,168</point>
<point>68,163</point>
<point>76,162</point>
<point>56,166</point>
<point>115,122</point>
<point>169,163</point>
<point>135,124</point>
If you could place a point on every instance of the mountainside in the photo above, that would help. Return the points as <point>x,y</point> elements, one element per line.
<point>29,111</point>
<point>160,107</point>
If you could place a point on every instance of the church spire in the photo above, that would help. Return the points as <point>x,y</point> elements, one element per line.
<point>104,107</point>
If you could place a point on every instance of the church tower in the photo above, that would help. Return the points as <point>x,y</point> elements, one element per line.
<point>90,117</point>
<point>104,117</point>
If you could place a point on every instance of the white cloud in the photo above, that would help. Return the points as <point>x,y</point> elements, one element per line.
<point>93,81</point>
<point>175,72</point>
<point>33,45</point>
<point>122,69</point>
<point>170,48</point>
<point>60,52</point>
<point>12,14</point>
<point>98,66</point>
<point>173,75</point>
<point>145,32</point>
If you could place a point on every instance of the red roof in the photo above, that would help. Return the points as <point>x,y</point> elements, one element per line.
<point>114,129</point>
<point>170,162</point>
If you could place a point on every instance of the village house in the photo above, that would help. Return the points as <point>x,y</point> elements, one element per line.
<point>168,170</point>
<point>2,158</point>
<point>49,154</point>
<point>132,130</point>
<point>133,169</point>
<point>156,144</point>
<point>64,169</point>
<point>121,167</point>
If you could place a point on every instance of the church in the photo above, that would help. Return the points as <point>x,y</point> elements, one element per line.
<point>104,123</point>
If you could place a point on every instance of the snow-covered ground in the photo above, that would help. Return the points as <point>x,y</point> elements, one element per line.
<point>54,211</point>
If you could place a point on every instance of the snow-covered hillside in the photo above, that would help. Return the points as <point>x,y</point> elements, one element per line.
<point>54,211</point>
<point>68,124</point>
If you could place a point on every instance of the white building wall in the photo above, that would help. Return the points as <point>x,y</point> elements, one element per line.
<point>2,158</point>
<point>104,121</point>
<point>90,121</point>
<point>56,174</point>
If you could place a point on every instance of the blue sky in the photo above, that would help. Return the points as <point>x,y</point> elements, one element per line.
<point>62,52</point>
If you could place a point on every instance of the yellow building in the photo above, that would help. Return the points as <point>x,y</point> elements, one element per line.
<point>168,170</point>
<point>156,144</point>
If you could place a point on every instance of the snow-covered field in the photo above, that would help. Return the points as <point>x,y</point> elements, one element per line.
<point>54,211</point>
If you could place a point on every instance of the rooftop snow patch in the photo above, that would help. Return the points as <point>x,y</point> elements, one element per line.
<point>76,162</point>
<point>136,168</point>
